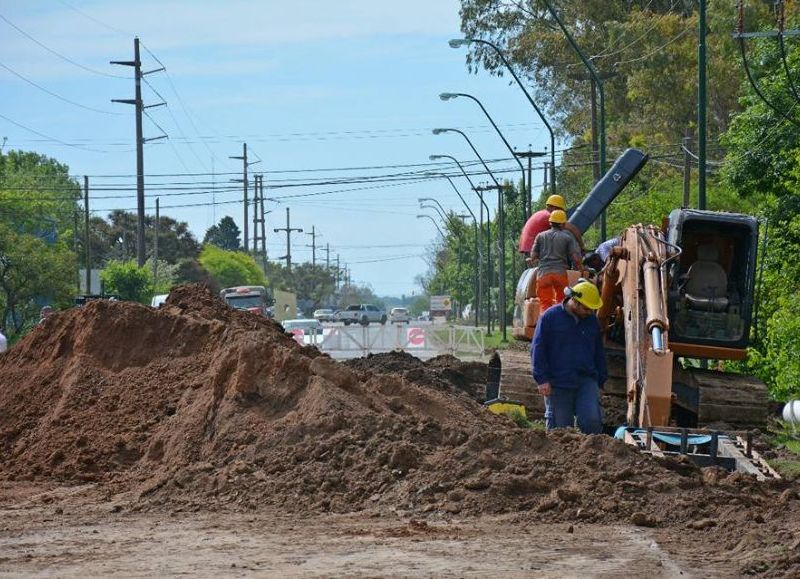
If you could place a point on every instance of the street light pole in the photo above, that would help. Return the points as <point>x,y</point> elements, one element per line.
<point>458,42</point>
<point>501,215</point>
<point>439,229</point>
<point>600,87</point>
<point>446,96</point>
<point>488,234</point>
<point>477,300</point>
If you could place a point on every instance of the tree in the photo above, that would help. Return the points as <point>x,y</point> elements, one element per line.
<point>231,268</point>
<point>224,235</point>
<point>128,280</point>
<point>32,273</point>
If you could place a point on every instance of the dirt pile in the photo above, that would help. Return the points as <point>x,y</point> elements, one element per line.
<point>198,405</point>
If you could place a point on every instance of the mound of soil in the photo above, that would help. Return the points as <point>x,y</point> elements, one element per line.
<point>201,406</point>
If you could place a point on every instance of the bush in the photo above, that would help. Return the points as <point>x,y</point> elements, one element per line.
<point>128,280</point>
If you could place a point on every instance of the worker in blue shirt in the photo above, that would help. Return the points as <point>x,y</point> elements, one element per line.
<point>568,360</point>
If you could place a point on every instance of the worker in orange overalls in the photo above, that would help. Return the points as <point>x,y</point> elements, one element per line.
<point>553,249</point>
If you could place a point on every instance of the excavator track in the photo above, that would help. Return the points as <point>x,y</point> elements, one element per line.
<point>702,398</point>
<point>715,397</point>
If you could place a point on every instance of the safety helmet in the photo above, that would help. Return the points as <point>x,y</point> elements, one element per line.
<point>556,201</point>
<point>586,293</point>
<point>558,216</point>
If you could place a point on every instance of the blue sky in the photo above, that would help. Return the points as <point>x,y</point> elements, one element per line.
<point>312,86</point>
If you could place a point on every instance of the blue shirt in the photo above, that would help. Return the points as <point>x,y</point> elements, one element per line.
<point>566,347</point>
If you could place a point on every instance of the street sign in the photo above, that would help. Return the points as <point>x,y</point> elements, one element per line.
<point>441,304</point>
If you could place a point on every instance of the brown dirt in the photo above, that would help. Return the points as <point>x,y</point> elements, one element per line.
<point>199,407</point>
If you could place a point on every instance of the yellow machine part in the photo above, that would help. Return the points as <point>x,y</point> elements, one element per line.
<point>507,407</point>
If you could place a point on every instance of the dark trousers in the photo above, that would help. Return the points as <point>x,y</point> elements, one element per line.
<point>565,404</point>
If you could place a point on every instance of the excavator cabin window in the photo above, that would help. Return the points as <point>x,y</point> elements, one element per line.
<point>712,284</point>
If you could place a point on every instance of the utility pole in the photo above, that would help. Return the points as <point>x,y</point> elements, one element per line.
<point>288,229</point>
<point>313,235</point>
<point>337,271</point>
<point>529,154</point>
<point>87,241</point>
<point>255,213</point>
<point>75,248</point>
<point>687,171</point>
<point>136,63</point>
<point>263,224</point>
<point>155,243</point>
<point>327,256</point>
<point>245,165</point>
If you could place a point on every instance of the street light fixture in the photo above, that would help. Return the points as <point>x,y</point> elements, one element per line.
<point>439,229</point>
<point>477,298</point>
<point>502,219</point>
<point>599,82</point>
<point>446,96</point>
<point>483,205</point>
<point>459,42</point>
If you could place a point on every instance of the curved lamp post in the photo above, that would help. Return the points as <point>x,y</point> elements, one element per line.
<point>477,299</point>
<point>459,42</point>
<point>439,229</point>
<point>482,206</point>
<point>599,82</point>
<point>446,96</point>
<point>502,235</point>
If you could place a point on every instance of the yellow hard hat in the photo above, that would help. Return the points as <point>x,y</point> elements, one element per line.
<point>586,293</point>
<point>556,201</point>
<point>558,216</point>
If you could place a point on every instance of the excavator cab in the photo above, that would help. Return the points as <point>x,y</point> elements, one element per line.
<point>710,298</point>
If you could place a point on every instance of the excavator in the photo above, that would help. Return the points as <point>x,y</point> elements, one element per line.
<point>675,296</point>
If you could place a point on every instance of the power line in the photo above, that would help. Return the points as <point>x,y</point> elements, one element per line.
<point>56,95</point>
<point>35,132</point>
<point>58,54</point>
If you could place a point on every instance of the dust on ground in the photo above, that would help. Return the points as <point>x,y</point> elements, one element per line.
<point>197,408</point>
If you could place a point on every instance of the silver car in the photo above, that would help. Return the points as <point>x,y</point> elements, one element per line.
<point>399,316</point>
<point>323,315</point>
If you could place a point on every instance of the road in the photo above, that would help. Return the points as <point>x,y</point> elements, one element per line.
<point>58,532</point>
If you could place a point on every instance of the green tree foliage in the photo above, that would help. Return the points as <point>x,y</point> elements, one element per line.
<point>128,280</point>
<point>231,268</point>
<point>645,48</point>
<point>37,195</point>
<point>224,235</point>
<point>190,271</point>
<point>32,273</point>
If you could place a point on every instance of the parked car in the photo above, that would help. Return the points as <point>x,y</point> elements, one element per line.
<point>324,315</point>
<point>362,314</point>
<point>425,317</point>
<point>399,316</point>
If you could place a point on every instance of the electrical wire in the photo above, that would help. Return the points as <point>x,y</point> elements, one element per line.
<point>59,55</point>
<point>56,95</point>
<point>48,137</point>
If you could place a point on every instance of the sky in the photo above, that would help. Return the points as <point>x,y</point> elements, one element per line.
<point>327,95</point>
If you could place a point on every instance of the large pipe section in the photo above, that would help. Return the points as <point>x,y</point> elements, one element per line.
<point>625,168</point>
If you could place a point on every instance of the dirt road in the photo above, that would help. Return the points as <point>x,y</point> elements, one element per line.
<point>67,532</point>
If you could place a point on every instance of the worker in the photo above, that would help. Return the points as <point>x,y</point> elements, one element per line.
<point>604,249</point>
<point>553,249</point>
<point>539,222</point>
<point>568,360</point>
<point>45,313</point>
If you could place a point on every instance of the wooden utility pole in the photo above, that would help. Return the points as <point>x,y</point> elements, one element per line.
<point>137,102</point>
<point>86,239</point>
<point>155,244</point>
<point>288,229</point>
